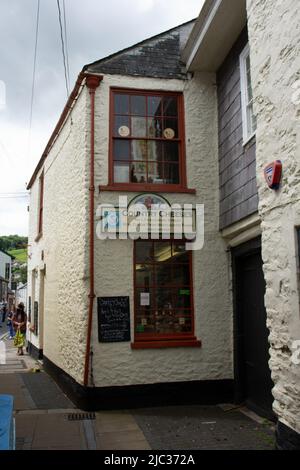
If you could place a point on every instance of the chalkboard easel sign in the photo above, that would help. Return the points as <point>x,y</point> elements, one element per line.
<point>113,319</point>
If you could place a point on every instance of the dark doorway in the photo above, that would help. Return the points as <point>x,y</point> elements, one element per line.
<point>252,373</point>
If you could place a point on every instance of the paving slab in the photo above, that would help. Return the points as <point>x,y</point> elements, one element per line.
<point>203,427</point>
<point>45,392</point>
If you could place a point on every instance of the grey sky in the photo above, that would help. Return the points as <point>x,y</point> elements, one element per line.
<point>96,28</point>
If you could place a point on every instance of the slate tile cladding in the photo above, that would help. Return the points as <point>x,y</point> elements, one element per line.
<point>237,172</point>
<point>157,57</point>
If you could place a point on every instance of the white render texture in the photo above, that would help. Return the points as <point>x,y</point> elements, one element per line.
<point>274,37</point>
<point>66,248</point>
<point>116,363</point>
<point>62,325</point>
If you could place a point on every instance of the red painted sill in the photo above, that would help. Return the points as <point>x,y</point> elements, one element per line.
<point>177,343</point>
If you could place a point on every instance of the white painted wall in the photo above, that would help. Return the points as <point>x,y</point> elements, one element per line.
<point>275,77</point>
<point>5,258</point>
<point>63,247</point>
<point>21,295</point>
<point>117,363</point>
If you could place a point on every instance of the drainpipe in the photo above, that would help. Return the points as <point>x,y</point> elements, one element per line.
<point>92,82</point>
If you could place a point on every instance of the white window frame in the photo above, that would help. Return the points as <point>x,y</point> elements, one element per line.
<point>244,96</point>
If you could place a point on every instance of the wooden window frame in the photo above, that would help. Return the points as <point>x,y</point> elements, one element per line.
<point>245,103</point>
<point>181,339</point>
<point>181,187</point>
<point>41,207</point>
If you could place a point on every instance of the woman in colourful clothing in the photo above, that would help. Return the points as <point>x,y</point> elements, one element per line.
<point>19,323</point>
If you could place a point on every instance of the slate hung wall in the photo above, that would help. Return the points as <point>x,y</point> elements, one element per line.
<point>238,190</point>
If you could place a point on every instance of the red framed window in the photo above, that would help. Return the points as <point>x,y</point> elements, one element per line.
<point>147,141</point>
<point>41,204</point>
<point>163,291</point>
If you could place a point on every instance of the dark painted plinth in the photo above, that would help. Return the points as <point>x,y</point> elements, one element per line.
<point>34,351</point>
<point>286,438</point>
<point>208,392</point>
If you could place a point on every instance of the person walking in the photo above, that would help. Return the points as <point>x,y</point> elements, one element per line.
<point>10,324</point>
<point>20,323</point>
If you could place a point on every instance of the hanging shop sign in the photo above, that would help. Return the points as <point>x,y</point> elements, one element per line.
<point>147,213</point>
<point>113,319</point>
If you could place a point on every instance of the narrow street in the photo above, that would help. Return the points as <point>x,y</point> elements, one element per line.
<point>47,419</point>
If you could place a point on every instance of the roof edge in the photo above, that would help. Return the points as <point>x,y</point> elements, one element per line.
<point>138,44</point>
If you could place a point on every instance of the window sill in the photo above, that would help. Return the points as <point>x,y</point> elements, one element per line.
<point>173,343</point>
<point>38,237</point>
<point>161,188</point>
<point>248,140</point>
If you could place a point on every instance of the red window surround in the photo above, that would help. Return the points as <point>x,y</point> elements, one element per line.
<point>41,207</point>
<point>147,142</point>
<point>163,274</point>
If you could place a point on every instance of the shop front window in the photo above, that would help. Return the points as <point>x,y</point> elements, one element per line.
<point>163,290</point>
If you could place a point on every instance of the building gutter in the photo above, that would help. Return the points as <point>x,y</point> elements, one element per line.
<point>92,82</point>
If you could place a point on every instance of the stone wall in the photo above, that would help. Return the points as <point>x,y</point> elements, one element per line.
<point>274,38</point>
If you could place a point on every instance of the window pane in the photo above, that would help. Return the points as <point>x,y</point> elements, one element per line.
<point>171,151</point>
<point>166,321</point>
<point>165,298</point>
<point>139,150</point>
<point>122,126</point>
<point>121,149</point>
<point>121,104</point>
<point>250,128</point>
<point>171,173</point>
<point>155,150</point>
<point>138,105</point>
<point>138,172</point>
<point>170,129</point>
<point>161,307</point>
<point>163,274</point>
<point>138,127</point>
<point>143,252</point>
<point>155,173</point>
<point>180,254</point>
<point>154,128</point>
<point>145,298</point>
<point>121,172</point>
<point>170,106</point>
<point>145,322</point>
<point>162,251</point>
<point>182,298</point>
<point>144,275</point>
<point>181,275</point>
<point>154,105</point>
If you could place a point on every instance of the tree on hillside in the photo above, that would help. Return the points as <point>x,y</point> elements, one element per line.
<point>12,242</point>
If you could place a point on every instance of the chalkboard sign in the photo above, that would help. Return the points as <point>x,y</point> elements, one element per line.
<point>113,319</point>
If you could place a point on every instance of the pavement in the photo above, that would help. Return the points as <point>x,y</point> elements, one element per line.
<point>47,419</point>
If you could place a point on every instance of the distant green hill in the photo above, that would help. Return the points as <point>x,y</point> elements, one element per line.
<point>13,242</point>
<point>20,254</point>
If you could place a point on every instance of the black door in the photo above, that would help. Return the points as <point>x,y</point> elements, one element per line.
<point>253,375</point>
